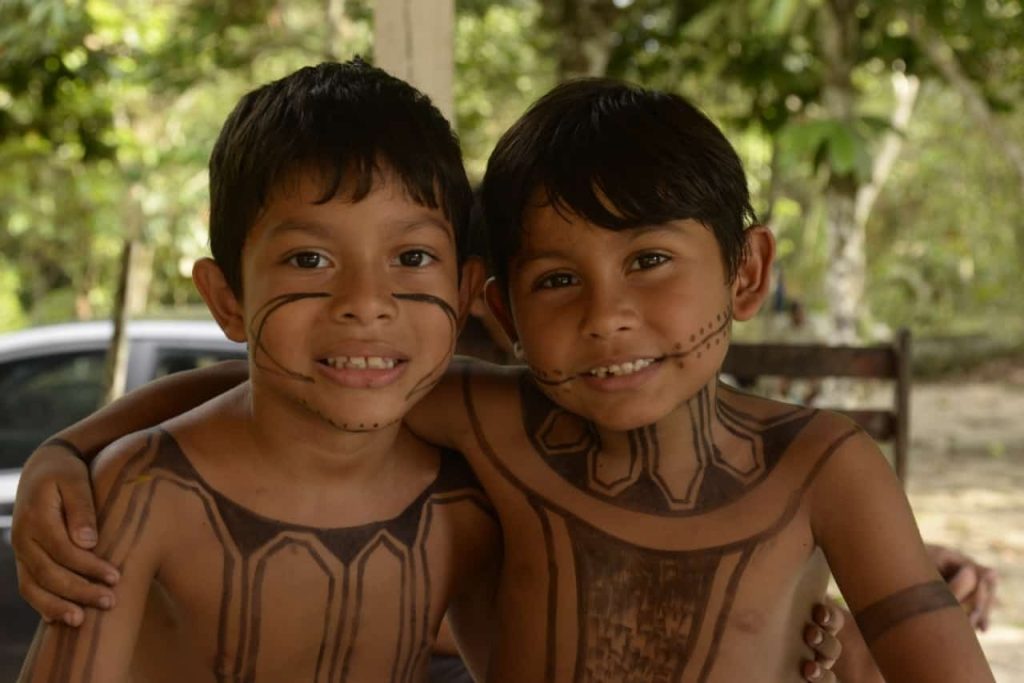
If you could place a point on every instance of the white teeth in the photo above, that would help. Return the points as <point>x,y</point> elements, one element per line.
<point>627,368</point>
<point>361,362</point>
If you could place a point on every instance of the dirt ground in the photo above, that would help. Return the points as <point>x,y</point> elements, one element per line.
<point>966,485</point>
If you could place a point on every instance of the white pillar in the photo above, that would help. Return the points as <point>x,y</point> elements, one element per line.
<point>415,41</point>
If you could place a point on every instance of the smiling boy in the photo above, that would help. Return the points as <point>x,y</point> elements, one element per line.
<point>677,529</point>
<point>293,528</point>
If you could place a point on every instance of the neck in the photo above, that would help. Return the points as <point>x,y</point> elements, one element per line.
<point>300,444</point>
<point>689,433</point>
<point>673,455</point>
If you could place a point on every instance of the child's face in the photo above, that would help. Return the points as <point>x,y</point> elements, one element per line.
<point>349,308</point>
<point>621,327</point>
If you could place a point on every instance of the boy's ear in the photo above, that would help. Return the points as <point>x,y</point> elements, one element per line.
<point>498,304</point>
<point>753,279</point>
<point>219,297</point>
<point>470,284</point>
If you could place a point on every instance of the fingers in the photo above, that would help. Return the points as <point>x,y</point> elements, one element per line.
<point>44,542</point>
<point>79,512</point>
<point>963,582</point>
<point>57,592</point>
<point>814,671</point>
<point>825,645</point>
<point>53,606</point>
<point>984,597</point>
<point>829,616</point>
<point>820,636</point>
<point>974,587</point>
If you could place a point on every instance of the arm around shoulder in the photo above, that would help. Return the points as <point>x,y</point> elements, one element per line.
<point>443,416</point>
<point>131,539</point>
<point>862,520</point>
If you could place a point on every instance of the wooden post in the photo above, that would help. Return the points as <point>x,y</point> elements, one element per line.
<point>415,41</point>
<point>901,444</point>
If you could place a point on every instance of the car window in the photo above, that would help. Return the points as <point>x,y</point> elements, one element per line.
<point>40,396</point>
<point>175,360</point>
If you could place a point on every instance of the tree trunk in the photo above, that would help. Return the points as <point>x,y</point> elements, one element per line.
<point>117,354</point>
<point>906,89</point>
<point>845,275</point>
<point>584,35</point>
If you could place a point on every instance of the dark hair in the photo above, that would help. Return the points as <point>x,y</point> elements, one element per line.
<point>618,156</point>
<point>334,120</point>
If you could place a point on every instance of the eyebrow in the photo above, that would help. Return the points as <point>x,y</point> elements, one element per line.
<point>323,230</point>
<point>637,232</point>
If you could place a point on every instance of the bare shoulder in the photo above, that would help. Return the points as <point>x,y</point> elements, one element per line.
<point>823,430</point>
<point>116,463</point>
<point>446,415</point>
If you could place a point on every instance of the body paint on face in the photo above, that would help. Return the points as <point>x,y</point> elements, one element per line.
<point>259,320</point>
<point>700,342</point>
<point>434,376</point>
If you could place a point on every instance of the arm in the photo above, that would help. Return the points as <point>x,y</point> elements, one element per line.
<point>910,621</point>
<point>54,521</point>
<point>973,584</point>
<point>101,650</point>
<point>441,418</point>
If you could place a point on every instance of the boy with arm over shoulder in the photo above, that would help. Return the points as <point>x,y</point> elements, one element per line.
<point>678,529</point>
<point>293,528</point>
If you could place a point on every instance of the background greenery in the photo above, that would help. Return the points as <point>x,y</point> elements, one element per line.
<point>108,110</point>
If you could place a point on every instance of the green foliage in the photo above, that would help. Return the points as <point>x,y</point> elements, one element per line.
<point>108,110</point>
<point>500,69</point>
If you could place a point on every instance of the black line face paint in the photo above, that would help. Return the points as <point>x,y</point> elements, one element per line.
<point>262,316</point>
<point>710,335</point>
<point>430,380</point>
<point>637,610</point>
<point>259,322</point>
<point>261,556</point>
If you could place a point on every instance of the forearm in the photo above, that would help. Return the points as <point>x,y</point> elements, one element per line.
<point>149,405</point>
<point>855,664</point>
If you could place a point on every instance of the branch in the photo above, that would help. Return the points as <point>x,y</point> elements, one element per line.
<point>906,89</point>
<point>943,57</point>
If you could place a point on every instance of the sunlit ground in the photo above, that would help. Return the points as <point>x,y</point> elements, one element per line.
<point>967,489</point>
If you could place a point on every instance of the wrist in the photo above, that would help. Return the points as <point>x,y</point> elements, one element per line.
<point>57,442</point>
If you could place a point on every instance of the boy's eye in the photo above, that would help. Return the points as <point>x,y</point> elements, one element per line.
<point>308,260</point>
<point>647,261</point>
<point>556,281</point>
<point>415,258</point>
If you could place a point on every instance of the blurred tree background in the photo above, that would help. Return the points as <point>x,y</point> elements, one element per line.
<point>884,140</point>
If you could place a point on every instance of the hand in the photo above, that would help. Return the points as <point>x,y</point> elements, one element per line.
<point>820,636</point>
<point>973,584</point>
<point>53,533</point>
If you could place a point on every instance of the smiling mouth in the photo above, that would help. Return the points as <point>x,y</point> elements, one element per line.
<point>361,362</point>
<point>620,369</point>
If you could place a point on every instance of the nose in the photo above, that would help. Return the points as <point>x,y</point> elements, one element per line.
<point>362,295</point>
<point>609,311</point>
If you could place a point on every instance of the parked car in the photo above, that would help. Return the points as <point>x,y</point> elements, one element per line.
<point>53,376</point>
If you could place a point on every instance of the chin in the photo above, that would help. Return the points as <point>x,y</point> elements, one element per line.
<point>358,418</point>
